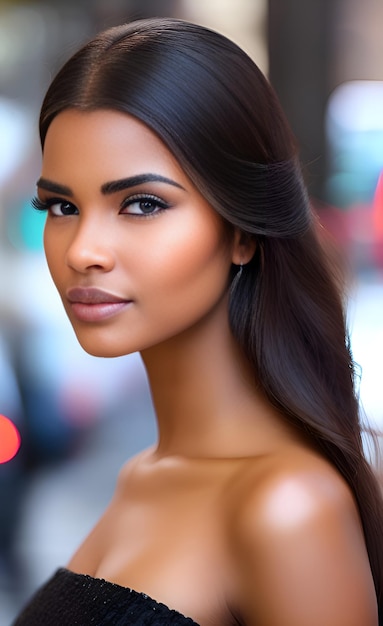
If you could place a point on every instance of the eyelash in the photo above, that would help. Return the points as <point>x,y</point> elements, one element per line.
<point>43,206</point>
<point>148,198</point>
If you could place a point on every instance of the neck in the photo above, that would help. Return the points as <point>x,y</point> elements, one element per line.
<point>204,393</point>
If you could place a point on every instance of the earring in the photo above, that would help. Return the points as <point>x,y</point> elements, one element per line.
<point>236,279</point>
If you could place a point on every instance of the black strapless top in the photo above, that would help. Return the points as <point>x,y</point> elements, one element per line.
<point>70,599</point>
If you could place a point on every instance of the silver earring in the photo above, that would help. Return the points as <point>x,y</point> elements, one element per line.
<point>236,279</point>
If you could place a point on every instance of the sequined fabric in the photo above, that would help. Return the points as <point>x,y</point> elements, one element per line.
<point>70,599</point>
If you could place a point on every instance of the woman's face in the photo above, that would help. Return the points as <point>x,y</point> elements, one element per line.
<point>136,253</point>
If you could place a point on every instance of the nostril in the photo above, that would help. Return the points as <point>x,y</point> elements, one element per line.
<point>89,257</point>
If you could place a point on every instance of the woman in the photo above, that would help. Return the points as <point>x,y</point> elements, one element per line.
<point>179,226</point>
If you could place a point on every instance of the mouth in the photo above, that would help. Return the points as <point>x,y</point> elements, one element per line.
<point>90,304</point>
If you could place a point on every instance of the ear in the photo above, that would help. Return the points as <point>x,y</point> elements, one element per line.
<point>244,246</point>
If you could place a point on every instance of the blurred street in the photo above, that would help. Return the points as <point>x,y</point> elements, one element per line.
<point>366,327</point>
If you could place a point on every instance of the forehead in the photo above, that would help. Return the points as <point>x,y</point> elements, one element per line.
<point>110,143</point>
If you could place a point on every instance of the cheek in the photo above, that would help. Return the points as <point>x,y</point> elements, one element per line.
<point>191,267</point>
<point>54,256</point>
<point>48,249</point>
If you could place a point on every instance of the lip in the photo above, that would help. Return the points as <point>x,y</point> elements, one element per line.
<point>91,304</point>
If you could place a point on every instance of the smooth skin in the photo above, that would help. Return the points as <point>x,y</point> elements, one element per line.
<point>231,518</point>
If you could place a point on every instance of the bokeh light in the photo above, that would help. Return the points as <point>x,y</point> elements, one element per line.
<point>10,439</point>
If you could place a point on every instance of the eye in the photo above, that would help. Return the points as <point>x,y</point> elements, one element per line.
<point>143,205</point>
<point>60,208</point>
<point>55,206</point>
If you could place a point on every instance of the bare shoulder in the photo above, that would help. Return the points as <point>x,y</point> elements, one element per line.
<point>298,547</point>
<point>128,470</point>
<point>293,489</point>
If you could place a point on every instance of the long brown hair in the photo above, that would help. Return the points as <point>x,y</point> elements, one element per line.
<point>208,101</point>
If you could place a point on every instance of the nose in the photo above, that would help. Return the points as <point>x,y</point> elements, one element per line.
<point>90,249</point>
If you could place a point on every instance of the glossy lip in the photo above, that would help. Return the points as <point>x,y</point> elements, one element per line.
<point>91,295</point>
<point>90,304</point>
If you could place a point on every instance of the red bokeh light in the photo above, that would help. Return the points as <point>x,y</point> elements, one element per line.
<point>9,439</point>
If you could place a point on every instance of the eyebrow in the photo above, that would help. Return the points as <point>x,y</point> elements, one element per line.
<point>110,187</point>
<point>133,181</point>
<point>49,185</point>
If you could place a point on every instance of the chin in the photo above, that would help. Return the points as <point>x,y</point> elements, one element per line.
<point>105,353</point>
<point>103,349</point>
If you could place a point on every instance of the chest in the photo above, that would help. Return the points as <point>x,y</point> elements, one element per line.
<point>172,546</point>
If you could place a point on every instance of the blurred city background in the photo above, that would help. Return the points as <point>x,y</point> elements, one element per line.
<point>80,417</point>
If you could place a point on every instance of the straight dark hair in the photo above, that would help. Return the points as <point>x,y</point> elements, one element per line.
<point>208,101</point>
